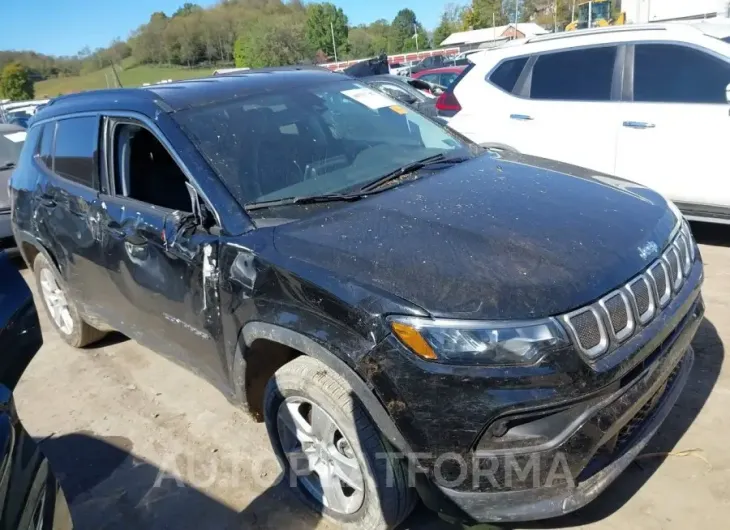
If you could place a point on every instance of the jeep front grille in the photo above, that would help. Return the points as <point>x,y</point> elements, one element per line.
<point>618,315</point>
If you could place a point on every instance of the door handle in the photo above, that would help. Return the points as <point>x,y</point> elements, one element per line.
<point>638,125</point>
<point>520,117</point>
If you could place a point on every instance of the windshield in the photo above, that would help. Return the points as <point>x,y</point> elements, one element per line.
<point>323,139</point>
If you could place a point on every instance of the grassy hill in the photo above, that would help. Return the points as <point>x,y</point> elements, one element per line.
<point>130,77</point>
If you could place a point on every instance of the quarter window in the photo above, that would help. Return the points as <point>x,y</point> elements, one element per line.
<point>75,149</point>
<point>576,75</point>
<point>669,73</point>
<point>507,74</point>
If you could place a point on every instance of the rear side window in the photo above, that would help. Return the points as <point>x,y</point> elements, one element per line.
<point>669,73</point>
<point>45,150</point>
<point>507,74</point>
<point>577,75</point>
<point>75,151</point>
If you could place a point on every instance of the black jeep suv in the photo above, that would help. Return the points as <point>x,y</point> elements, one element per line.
<point>410,314</point>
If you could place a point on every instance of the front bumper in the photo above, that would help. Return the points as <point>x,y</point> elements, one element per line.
<point>553,501</point>
<point>497,445</point>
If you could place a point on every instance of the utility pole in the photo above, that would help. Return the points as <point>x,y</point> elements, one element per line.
<point>494,28</point>
<point>517,10</point>
<point>590,14</point>
<point>555,17</point>
<point>572,13</point>
<point>415,36</point>
<point>334,46</point>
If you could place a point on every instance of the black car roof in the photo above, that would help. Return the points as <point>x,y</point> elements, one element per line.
<point>190,93</point>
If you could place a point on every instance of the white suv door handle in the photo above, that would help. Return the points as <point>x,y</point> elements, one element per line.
<point>638,125</point>
<point>521,117</point>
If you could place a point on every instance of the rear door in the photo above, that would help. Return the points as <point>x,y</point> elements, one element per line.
<point>566,109</point>
<point>68,206</point>
<point>675,128</point>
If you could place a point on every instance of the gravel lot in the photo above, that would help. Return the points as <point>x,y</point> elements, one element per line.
<point>140,443</point>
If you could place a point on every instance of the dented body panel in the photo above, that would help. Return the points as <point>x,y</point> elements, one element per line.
<point>494,238</point>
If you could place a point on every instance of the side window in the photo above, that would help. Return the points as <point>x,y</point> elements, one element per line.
<point>670,73</point>
<point>447,79</point>
<point>75,152</point>
<point>45,150</point>
<point>577,75</point>
<point>507,74</point>
<point>145,171</point>
<point>431,78</point>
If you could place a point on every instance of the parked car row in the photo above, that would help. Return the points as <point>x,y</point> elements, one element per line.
<point>369,283</point>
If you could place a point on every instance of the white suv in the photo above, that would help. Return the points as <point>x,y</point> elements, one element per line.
<point>646,103</point>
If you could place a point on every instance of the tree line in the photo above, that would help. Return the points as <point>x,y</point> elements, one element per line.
<point>257,33</point>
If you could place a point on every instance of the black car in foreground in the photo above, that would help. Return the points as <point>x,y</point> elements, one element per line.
<point>30,497</point>
<point>411,315</point>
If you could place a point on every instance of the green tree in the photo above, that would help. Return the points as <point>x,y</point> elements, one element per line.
<point>187,9</point>
<point>450,23</point>
<point>322,21</point>
<point>403,29</point>
<point>15,82</point>
<point>273,41</point>
<point>480,14</point>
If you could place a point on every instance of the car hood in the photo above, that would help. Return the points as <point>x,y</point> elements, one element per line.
<point>498,237</point>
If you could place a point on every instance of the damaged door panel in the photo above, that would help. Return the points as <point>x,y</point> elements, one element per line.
<point>164,280</point>
<point>161,261</point>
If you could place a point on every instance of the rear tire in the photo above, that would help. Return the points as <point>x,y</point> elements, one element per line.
<point>307,385</point>
<point>61,310</point>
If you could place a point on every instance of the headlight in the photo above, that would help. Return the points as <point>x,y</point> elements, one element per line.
<point>475,342</point>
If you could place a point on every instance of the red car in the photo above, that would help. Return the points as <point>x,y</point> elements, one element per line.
<point>443,76</point>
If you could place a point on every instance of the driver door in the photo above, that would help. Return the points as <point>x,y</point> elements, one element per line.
<point>161,261</point>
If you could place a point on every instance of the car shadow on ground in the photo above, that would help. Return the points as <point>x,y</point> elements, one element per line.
<point>108,487</point>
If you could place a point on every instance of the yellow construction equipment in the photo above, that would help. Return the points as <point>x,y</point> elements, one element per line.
<point>595,14</point>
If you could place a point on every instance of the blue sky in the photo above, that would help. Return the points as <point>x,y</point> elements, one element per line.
<point>63,27</point>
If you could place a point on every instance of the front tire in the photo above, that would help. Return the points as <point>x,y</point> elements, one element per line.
<point>61,310</point>
<point>345,469</point>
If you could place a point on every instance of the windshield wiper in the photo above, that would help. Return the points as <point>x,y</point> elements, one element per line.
<point>308,199</point>
<point>410,168</point>
<point>9,165</point>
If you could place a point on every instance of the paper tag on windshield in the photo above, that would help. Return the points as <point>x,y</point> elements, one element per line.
<point>369,98</point>
<point>17,137</point>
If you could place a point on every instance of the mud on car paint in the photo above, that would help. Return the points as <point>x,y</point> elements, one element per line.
<point>235,292</point>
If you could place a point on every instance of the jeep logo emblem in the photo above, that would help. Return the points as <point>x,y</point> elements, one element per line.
<point>648,250</point>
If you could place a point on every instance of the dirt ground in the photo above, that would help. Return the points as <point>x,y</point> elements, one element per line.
<point>140,443</point>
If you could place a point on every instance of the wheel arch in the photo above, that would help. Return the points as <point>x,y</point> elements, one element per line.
<point>30,246</point>
<point>248,366</point>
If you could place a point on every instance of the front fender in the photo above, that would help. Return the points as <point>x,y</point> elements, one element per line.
<point>308,346</point>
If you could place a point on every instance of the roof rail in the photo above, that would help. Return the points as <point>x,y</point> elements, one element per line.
<point>610,29</point>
